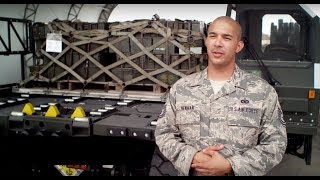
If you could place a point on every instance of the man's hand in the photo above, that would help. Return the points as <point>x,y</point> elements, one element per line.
<point>216,166</point>
<point>204,156</point>
<point>201,156</point>
<point>213,148</point>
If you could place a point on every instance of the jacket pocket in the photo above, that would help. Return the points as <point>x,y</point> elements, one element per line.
<point>243,127</point>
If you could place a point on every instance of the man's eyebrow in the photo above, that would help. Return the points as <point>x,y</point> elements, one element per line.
<point>227,35</point>
<point>224,35</point>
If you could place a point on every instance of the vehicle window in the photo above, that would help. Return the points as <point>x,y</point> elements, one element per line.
<point>280,35</point>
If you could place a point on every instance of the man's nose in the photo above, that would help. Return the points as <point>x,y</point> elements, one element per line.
<point>218,41</point>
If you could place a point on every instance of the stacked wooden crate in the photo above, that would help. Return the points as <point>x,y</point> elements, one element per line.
<point>133,55</point>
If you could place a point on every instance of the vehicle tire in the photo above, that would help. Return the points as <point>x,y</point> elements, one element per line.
<point>161,166</point>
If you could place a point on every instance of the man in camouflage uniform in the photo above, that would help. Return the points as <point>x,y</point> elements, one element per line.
<point>223,120</point>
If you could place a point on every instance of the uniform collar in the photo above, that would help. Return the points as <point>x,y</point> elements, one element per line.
<point>236,80</point>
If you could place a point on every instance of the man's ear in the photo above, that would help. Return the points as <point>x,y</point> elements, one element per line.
<point>240,46</point>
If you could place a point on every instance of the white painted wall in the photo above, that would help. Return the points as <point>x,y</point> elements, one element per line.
<point>10,66</point>
<point>10,69</point>
<point>90,12</point>
<point>49,12</point>
<point>12,10</point>
<point>200,12</point>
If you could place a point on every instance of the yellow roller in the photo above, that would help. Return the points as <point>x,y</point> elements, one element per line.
<point>78,112</point>
<point>52,111</point>
<point>28,109</point>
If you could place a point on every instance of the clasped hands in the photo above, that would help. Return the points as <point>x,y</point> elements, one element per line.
<point>208,162</point>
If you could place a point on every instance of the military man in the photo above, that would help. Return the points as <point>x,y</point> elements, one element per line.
<point>223,120</point>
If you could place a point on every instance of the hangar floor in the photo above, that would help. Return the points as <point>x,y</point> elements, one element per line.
<point>294,166</point>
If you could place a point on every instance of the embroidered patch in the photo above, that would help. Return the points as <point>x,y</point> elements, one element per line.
<point>243,109</point>
<point>163,112</point>
<point>244,101</point>
<point>280,116</point>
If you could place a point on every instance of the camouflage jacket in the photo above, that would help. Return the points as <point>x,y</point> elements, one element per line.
<point>245,116</point>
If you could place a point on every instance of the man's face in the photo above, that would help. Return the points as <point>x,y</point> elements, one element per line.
<point>222,43</point>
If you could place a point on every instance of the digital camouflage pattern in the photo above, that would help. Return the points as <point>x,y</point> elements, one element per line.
<point>245,116</point>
